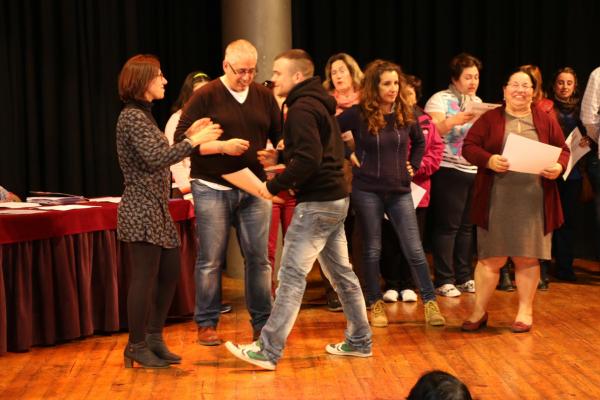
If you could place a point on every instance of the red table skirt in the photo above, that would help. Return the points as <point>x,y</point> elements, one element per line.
<point>71,286</point>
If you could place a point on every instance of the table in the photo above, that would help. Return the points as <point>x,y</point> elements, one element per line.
<point>64,275</point>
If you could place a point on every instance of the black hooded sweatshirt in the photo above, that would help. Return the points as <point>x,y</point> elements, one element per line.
<point>314,150</point>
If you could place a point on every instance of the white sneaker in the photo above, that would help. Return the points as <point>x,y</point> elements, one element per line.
<point>343,349</point>
<point>245,353</point>
<point>468,286</point>
<point>448,290</point>
<point>390,296</point>
<point>408,295</point>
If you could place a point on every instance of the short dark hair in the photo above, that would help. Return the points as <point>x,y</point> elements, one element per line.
<point>439,385</point>
<point>136,75</point>
<point>301,59</point>
<point>187,88</point>
<point>462,61</point>
<point>415,83</point>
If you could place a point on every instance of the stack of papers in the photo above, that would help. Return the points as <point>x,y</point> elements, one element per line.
<point>56,200</point>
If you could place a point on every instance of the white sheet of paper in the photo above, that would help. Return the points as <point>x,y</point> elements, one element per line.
<point>248,182</point>
<point>417,193</point>
<point>66,207</point>
<point>576,151</point>
<point>17,204</point>
<point>109,199</point>
<point>479,108</point>
<point>529,156</point>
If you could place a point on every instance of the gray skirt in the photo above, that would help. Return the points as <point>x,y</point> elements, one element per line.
<point>516,219</point>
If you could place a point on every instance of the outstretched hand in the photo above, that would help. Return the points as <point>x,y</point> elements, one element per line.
<point>265,194</point>
<point>268,157</point>
<point>235,147</point>
<point>203,131</point>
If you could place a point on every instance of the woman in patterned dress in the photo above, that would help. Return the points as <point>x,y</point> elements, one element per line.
<point>144,221</point>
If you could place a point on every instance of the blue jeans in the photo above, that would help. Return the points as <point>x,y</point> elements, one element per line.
<point>369,208</point>
<point>216,211</point>
<point>316,232</point>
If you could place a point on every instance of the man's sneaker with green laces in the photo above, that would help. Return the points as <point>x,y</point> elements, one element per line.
<point>344,349</point>
<point>251,353</point>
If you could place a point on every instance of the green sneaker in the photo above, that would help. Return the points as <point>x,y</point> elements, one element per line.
<point>344,349</point>
<point>251,354</point>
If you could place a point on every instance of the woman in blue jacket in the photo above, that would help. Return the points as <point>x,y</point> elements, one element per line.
<point>382,125</point>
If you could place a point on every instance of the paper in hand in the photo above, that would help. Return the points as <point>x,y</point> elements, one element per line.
<point>248,182</point>
<point>529,156</point>
<point>576,150</point>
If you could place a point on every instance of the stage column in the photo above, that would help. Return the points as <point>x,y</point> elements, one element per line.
<point>267,24</point>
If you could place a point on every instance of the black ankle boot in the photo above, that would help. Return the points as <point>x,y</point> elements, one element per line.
<point>157,345</point>
<point>505,283</point>
<point>141,354</point>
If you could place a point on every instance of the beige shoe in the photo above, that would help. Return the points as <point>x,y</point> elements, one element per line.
<point>433,316</point>
<point>378,317</point>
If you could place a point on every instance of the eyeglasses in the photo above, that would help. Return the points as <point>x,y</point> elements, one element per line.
<point>243,71</point>
<point>516,86</point>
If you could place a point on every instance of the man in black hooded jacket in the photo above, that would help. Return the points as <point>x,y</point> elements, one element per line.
<point>313,155</point>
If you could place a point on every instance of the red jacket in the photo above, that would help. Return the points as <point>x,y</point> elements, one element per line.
<point>486,138</point>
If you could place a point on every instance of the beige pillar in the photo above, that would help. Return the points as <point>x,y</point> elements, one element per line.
<point>267,24</point>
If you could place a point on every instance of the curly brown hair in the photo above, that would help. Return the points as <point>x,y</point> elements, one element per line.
<point>370,101</point>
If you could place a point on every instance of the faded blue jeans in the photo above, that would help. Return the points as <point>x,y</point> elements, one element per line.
<point>369,208</point>
<point>316,232</point>
<point>216,211</point>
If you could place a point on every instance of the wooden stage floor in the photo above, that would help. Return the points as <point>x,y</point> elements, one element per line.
<point>558,359</point>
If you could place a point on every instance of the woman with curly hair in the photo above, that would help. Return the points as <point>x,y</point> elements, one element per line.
<point>382,124</point>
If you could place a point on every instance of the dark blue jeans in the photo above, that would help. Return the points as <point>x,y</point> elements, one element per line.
<point>216,211</point>
<point>369,208</point>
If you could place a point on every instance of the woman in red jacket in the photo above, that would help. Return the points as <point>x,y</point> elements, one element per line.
<point>515,213</point>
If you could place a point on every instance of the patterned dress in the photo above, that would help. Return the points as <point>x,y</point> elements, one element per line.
<point>145,157</point>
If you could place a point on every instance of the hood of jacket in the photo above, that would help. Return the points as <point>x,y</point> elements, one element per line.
<point>312,87</point>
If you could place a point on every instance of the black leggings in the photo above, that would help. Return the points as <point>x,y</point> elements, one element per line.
<point>154,276</point>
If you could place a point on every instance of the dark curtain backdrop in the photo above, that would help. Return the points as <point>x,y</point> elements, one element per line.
<point>423,35</point>
<point>59,62</point>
